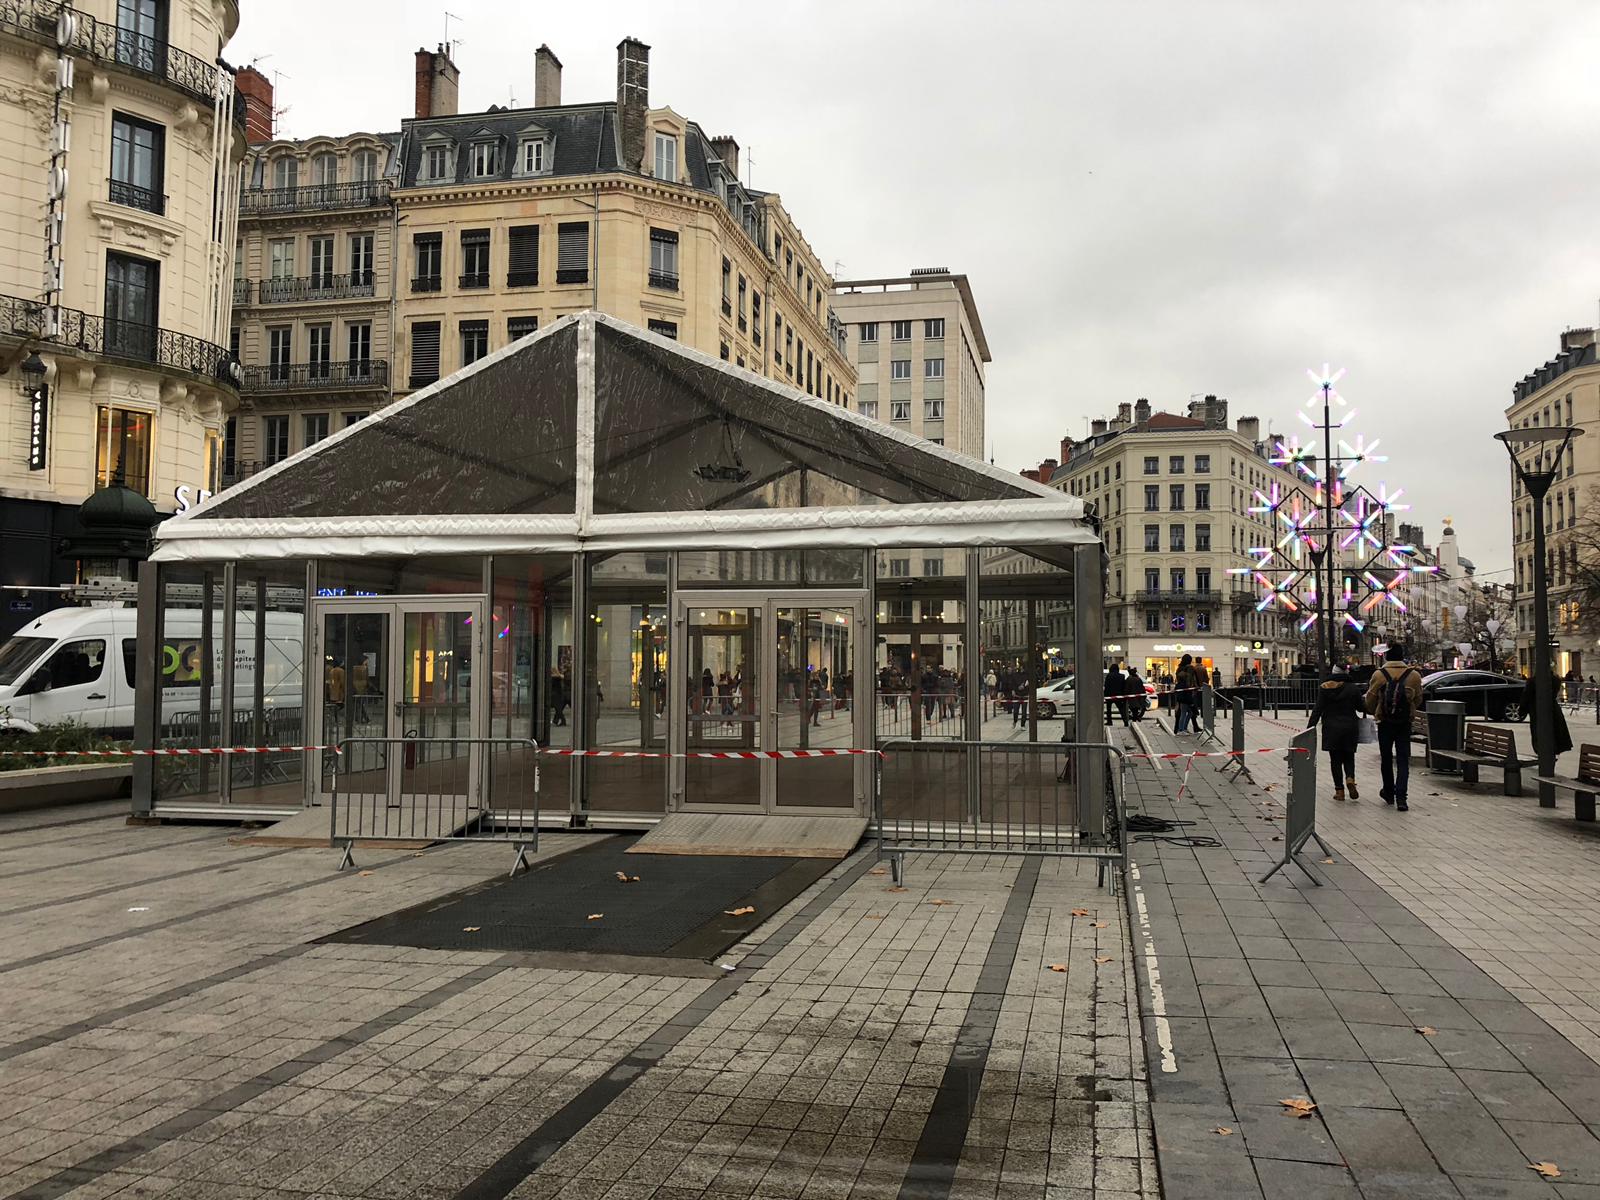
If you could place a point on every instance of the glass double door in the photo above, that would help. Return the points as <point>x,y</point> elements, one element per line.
<point>395,671</point>
<point>770,672</point>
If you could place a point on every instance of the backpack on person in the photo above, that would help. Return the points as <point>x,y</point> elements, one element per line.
<point>1394,701</point>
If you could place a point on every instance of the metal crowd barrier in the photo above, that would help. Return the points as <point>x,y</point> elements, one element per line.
<point>440,797</point>
<point>993,797</point>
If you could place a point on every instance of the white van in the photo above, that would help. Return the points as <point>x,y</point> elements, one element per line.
<point>77,664</point>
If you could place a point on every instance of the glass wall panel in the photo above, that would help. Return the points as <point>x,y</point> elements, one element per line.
<point>432,575</point>
<point>531,670</point>
<point>190,696</point>
<point>815,705</point>
<point>628,629</point>
<point>920,659</point>
<point>727,704</point>
<point>785,568</point>
<point>1025,617</point>
<point>269,681</point>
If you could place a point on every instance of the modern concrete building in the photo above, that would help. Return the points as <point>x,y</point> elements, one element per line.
<point>919,351</point>
<point>120,142</point>
<point>1564,391</point>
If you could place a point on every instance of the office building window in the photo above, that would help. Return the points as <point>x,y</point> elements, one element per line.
<point>1175,464</point>
<point>664,328</point>
<point>424,353</point>
<point>132,303</point>
<point>321,262</point>
<point>315,427</point>
<point>869,408</point>
<point>358,346</point>
<point>485,160</point>
<point>869,331</point>
<point>664,259</point>
<point>1202,579</point>
<point>900,331</point>
<point>1152,621</point>
<point>1202,495</point>
<point>1175,538</point>
<point>474,341</point>
<point>1202,464</point>
<point>666,164</point>
<point>933,368</point>
<point>1152,538</point>
<point>474,258</point>
<point>1202,538</point>
<point>361,259</point>
<point>136,164</point>
<point>1152,497</point>
<point>1176,491</point>
<point>429,252</point>
<point>572,252</point>
<point>524,265</point>
<point>274,439</point>
<point>123,449</point>
<point>1152,465</point>
<point>900,410</point>
<point>900,368</point>
<point>933,328</point>
<point>521,327</point>
<point>320,343</point>
<point>933,410</point>
<point>280,352</point>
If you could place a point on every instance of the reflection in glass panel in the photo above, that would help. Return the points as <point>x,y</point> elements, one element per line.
<point>355,683</point>
<point>815,704</point>
<point>435,701</point>
<point>442,574</point>
<point>190,696</point>
<point>724,706</point>
<point>268,685</point>
<point>1026,619</point>
<point>628,630</point>
<point>921,647</point>
<point>789,568</point>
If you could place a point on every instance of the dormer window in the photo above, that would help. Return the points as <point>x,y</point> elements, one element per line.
<point>533,157</point>
<point>666,158</point>
<point>535,152</point>
<point>485,160</point>
<point>436,163</point>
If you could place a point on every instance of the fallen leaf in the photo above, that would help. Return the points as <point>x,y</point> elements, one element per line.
<point>1058,968</point>
<point>1548,1169</point>
<point>1299,1106</point>
<point>417,854</point>
<point>878,871</point>
<point>1080,912</point>
<point>1098,924</point>
<point>894,889</point>
<point>1327,860</point>
<point>940,902</point>
<point>1104,958</point>
<point>140,908</point>
<point>1223,1130</point>
<point>873,917</point>
<point>595,916</point>
<point>471,928</point>
<point>623,876</point>
<point>738,912</point>
<point>363,874</point>
<point>1426,1030</point>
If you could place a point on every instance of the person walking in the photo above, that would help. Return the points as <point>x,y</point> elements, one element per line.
<point>1185,685</point>
<point>1116,692</point>
<point>1338,709</point>
<point>1393,697</point>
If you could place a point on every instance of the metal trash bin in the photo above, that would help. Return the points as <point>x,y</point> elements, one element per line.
<point>1447,730</point>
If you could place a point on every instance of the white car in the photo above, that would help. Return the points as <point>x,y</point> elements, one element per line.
<point>1056,698</point>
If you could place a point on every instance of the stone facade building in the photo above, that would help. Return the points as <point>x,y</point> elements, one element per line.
<point>120,122</point>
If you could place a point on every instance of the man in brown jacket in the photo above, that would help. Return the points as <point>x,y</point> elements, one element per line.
<point>1393,695</point>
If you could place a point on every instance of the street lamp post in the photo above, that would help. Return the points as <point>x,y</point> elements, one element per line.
<point>1550,442</point>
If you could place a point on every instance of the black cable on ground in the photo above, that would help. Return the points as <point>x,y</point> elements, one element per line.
<point>1146,828</point>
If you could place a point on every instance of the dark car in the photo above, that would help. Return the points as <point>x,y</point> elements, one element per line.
<point>1497,697</point>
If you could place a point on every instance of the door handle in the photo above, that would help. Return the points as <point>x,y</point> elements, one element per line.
<point>96,696</point>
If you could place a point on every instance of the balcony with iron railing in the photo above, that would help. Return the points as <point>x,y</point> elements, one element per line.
<point>131,195</point>
<point>313,197</point>
<point>1178,596</point>
<point>427,283</point>
<point>125,341</point>
<point>474,279</point>
<point>359,374</point>
<point>667,281</point>
<point>105,43</point>
<point>294,289</point>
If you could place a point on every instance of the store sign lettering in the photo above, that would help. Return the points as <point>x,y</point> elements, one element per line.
<point>188,497</point>
<point>38,428</point>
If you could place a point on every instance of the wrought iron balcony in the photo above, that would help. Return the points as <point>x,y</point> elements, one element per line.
<point>314,197</point>
<point>667,281</point>
<point>241,292</point>
<point>126,341</point>
<point>1178,596</point>
<point>523,278</point>
<point>475,279</point>
<point>134,196</point>
<point>427,283</point>
<point>313,287</point>
<point>360,374</point>
<point>572,274</point>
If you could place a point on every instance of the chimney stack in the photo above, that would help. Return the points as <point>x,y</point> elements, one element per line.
<point>1046,469</point>
<point>546,78</point>
<point>1141,411</point>
<point>438,83</point>
<point>1250,429</point>
<point>728,151</point>
<point>633,100</point>
<point>1066,449</point>
<point>1097,427</point>
<point>260,117</point>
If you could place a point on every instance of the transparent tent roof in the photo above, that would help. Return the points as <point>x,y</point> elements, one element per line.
<point>593,432</point>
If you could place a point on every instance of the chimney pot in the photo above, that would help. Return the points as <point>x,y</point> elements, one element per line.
<point>546,78</point>
<point>633,100</point>
<point>438,84</point>
<point>728,151</point>
<point>1141,411</point>
<point>260,118</point>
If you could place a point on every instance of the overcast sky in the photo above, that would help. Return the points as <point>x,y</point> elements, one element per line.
<point>1151,199</point>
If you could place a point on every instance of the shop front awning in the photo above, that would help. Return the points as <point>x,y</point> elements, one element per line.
<point>595,435</point>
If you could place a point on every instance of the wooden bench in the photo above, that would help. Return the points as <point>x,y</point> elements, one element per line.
<point>1585,786</point>
<point>1491,747</point>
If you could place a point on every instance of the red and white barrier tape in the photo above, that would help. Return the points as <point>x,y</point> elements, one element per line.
<point>165,753</point>
<point>705,753</point>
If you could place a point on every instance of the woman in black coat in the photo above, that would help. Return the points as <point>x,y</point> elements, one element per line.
<point>1339,708</point>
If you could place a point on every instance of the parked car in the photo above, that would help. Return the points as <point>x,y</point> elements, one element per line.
<point>1056,698</point>
<point>1496,697</point>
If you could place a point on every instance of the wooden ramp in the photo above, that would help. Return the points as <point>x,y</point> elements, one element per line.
<point>754,835</point>
<point>409,824</point>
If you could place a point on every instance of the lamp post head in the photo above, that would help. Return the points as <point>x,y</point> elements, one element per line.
<point>1551,440</point>
<point>33,369</point>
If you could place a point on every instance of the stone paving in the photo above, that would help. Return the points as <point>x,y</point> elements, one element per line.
<point>172,1028</point>
<point>1430,1078</point>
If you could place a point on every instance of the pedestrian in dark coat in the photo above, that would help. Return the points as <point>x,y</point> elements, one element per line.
<point>1563,739</point>
<point>1339,708</point>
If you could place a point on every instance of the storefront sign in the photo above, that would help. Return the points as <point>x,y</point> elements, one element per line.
<point>1113,647</point>
<point>1178,648</point>
<point>38,428</point>
<point>188,497</point>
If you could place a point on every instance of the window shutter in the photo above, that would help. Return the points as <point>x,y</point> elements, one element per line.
<point>424,353</point>
<point>572,252</point>
<point>524,270</point>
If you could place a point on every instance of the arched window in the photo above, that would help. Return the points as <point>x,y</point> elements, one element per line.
<point>364,166</point>
<point>286,172</point>
<point>325,169</point>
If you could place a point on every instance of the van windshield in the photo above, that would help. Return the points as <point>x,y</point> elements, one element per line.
<point>20,653</point>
